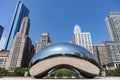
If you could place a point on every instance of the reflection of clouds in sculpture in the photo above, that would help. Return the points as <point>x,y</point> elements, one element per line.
<point>57,49</point>
<point>63,55</point>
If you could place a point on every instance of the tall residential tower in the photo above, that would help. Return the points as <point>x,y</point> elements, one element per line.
<point>20,12</point>
<point>82,38</point>
<point>113,23</point>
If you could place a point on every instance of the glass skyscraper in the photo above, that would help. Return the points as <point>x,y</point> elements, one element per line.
<point>20,12</point>
<point>113,23</point>
<point>1,31</point>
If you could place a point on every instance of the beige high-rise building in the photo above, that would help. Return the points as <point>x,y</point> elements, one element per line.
<point>108,54</point>
<point>22,48</point>
<point>45,40</point>
<point>103,57</point>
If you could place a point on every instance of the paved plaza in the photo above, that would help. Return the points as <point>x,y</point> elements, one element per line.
<point>29,78</point>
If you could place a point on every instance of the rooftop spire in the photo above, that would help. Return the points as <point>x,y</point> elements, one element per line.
<point>77,29</point>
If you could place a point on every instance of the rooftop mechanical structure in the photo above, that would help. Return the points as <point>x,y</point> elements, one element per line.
<point>63,55</point>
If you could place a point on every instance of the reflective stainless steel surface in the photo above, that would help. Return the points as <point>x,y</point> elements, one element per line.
<point>63,49</point>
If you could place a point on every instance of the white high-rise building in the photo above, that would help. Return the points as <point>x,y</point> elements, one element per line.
<point>113,24</point>
<point>82,38</point>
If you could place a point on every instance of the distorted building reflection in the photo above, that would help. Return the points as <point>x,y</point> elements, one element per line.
<point>63,55</point>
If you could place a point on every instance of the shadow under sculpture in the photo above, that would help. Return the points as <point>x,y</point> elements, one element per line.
<point>63,55</point>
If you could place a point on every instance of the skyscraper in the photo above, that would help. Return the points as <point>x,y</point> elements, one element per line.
<point>114,50</point>
<point>1,31</point>
<point>20,12</point>
<point>113,23</point>
<point>82,38</point>
<point>45,40</point>
<point>20,53</point>
<point>108,54</point>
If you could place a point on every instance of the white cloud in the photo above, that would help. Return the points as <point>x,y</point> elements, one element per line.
<point>2,42</point>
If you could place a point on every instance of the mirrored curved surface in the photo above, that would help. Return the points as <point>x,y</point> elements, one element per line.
<point>65,55</point>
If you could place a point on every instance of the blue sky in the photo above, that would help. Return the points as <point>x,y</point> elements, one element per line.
<point>58,17</point>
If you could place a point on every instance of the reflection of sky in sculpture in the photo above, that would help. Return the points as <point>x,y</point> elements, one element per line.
<point>62,48</point>
<point>68,52</point>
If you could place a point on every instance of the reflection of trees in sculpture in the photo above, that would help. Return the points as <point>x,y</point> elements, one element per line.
<point>64,72</point>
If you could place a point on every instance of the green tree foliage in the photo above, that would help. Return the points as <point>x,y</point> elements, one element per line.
<point>3,72</point>
<point>109,72</point>
<point>20,71</point>
<point>115,72</point>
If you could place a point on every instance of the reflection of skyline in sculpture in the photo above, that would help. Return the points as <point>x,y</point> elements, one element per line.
<point>63,55</point>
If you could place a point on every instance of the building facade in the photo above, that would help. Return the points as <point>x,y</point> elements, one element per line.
<point>110,48</point>
<point>114,49</point>
<point>103,57</point>
<point>1,31</point>
<point>45,40</point>
<point>3,58</point>
<point>22,48</point>
<point>20,12</point>
<point>108,54</point>
<point>113,24</point>
<point>82,38</point>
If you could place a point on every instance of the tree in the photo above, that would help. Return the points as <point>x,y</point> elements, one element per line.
<point>117,71</point>
<point>109,72</point>
<point>20,71</point>
<point>3,72</point>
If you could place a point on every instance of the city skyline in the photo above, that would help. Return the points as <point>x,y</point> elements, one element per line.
<point>59,17</point>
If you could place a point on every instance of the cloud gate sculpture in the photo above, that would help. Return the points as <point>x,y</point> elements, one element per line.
<point>63,55</point>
